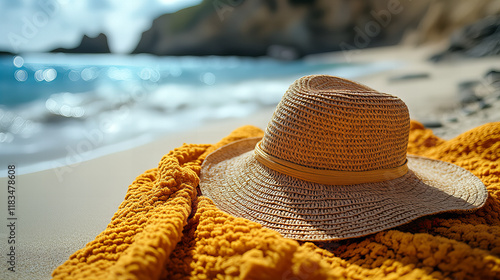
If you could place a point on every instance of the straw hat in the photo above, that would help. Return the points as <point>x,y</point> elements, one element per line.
<point>333,165</point>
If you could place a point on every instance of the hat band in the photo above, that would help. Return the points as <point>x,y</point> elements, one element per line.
<point>327,177</point>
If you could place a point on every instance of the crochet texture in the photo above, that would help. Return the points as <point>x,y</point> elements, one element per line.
<point>163,230</point>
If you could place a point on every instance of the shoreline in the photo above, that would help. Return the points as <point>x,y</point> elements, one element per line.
<point>57,217</point>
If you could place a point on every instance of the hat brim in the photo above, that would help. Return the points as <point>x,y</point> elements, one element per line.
<point>239,185</point>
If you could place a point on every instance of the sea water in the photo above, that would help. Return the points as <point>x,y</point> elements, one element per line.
<point>55,105</point>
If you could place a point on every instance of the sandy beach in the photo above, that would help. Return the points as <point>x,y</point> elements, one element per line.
<point>58,216</point>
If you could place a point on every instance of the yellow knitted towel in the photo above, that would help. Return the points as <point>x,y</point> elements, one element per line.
<point>163,230</point>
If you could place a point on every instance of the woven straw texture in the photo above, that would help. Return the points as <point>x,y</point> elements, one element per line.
<point>297,209</point>
<point>329,123</point>
<point>163,230</point>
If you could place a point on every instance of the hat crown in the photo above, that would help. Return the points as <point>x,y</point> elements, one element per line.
<point>329,123</point>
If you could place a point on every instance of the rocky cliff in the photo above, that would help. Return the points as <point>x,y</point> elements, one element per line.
<point>293,28</point>
<point>88,44</point>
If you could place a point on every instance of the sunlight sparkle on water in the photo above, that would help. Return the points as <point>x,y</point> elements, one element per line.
<point>39,75</point>
<point>21,75</point>
<point>49,74</point>
<point>18,61</point>
<point>74,75</point>
<point>208,78</point>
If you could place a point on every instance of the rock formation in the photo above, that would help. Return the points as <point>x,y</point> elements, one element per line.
<point>88,44</point>
<point>292,28</point>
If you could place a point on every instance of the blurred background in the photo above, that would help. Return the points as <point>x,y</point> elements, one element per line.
<point>80,79</point>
